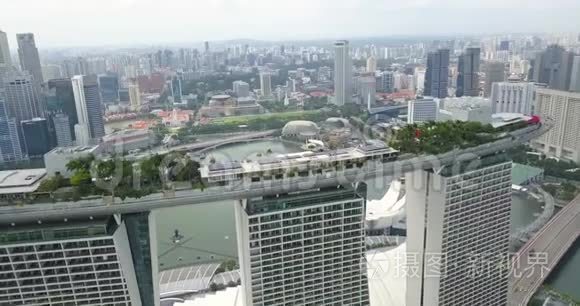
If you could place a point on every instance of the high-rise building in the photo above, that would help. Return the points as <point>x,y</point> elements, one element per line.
<point>22,101</point>
<point>342,73</point>
<point>494,72</point>
<point>512,97</point>
<point>386,82</point>
<point>62,130</point>
<point>75,261</point>
<point>10,149</point>
<point>422,110</point>
<point>5,60</point>
<point>176,89</point>
<point>437,74</point>
<point>266,83</point>
<point>563,140</point>
<point>109,88</point>
<point>134,96</point>
<point>89,111</point>
<point>62,92</point>
<point>575,75</point>
<point>303,249</point>
<point>458,232</point>
<point>367,90</point>
<point>371,64</point>
<point>468,73</point>
<point>553,67</point>
<point>241,89</point>
<point>206,46</point>
<point>36,136</point>
<point>29,58</point>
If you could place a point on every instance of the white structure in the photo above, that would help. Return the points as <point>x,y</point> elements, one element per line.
<point>16,184</point>
<point>134,96</point>
<point>458,231</point>
<point>575,77</point>
<point>512,97</point>
<point>465,109</point>
<point>241,89</point>
<point>82,131</point>
<point>303,249</point>
<point>76,262</point>
<point>384,213</point>
<point>422,110</point>
<point>61,125</point>
<point>56,159</point>
<point>266,83</point>
<point>128,140</point>
<point>563,140</point>
<point>367,87</point>
<point>342,73</point>
<point>371,64</point>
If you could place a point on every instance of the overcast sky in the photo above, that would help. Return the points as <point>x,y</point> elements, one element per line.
<point>125,22</point>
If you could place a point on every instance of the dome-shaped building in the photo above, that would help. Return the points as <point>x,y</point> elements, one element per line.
<point>301,130</point>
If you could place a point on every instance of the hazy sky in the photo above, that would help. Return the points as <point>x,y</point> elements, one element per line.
<point>126,22</point>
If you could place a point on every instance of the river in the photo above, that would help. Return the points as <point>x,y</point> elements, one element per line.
<point>209,229</point>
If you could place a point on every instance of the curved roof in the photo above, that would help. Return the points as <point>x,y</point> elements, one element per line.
<point>338,122</point>
<point>300,127</point>
<point>220,97</point>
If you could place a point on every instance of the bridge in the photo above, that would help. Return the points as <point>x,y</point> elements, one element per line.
<point>540,255</point>
<point>239,190</point>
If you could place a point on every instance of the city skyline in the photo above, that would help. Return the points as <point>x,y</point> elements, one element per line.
<point>301,16</point>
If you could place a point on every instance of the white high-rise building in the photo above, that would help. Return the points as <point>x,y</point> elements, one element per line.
<point>563,140</point>
<point>82,132</point>
<point>134,96</point>
<point>303,249</point>
<point>371,64</point>
<point>458,233</point>
<point>266,83</point>
<point>89,112</point>
<point>342,73</point>
<point>422,110</point>
<point>512,97</point>
<point>367,87</point>
<point>70,262</point>
<point>241,89</point>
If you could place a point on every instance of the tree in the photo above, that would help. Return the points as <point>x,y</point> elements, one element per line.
<point>80,177</point>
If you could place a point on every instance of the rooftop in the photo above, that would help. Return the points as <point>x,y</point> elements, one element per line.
<point>20,181</point>
<point>522,173</point>
<point>73,150</point>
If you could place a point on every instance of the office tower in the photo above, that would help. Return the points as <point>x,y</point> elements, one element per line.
<point>51,72</point>
<point>62,130</point>
<point>36,136</point>
<point>504,45</point>
<point>10,149</point>
<point>367,91</point>
<point>176,89</point>
<point>61,90</point>
<point>72,262</point>
<point>206,46</point>
<point>468,77</point>
<point>386,82</point>
<point>371,64</point>
<point>303,249</point>
<point>134,96</point>
<point>241,89</point>
<point>575,75</point>
<point>422,110</point>
<point>266,83</point>
<point>512,97</point>
<point>22,101</point>
<point>342,73</point>
<point>494,72</point>
<point>89,112</point>
<point>109,88</point>
<point>563,140</point>
<point>5,60</point>
<point>29,59</point>
<point>553,67</point>
<point>437,74</point>
<point>458,232</point>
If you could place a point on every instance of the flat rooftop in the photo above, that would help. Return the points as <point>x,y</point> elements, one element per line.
<point>20,181</point>
<point>73,150</point>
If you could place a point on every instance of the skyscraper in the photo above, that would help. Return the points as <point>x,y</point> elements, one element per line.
<point>29,58</point>
<point>266,83</point>
<point>553,67</point>
<point>134,96</point>
<point>494,72</point>
<point>176,89</point>
<point>342,73</point>
<point>61,90</point>
<point>89,112</point>
<point>22,101</point>
<point>303,249</point>
<point>371,64</point>
<point>62,130</point>
<point>367,90</point>
<point>36,136</point>
<point>422,110</point>
<point>5,60</point>
<point>458,231</point>
<point>512,97</point>
<point>241,89</point>
<point>109,88</point>
<point>386,82</point>
<point>468,77</point>
<point>437,74</point>
<point>575,75</point>
<point>10,149</point>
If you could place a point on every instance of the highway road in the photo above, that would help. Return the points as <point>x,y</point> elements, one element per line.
<point>46,211</point>
<point>538,257</point>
